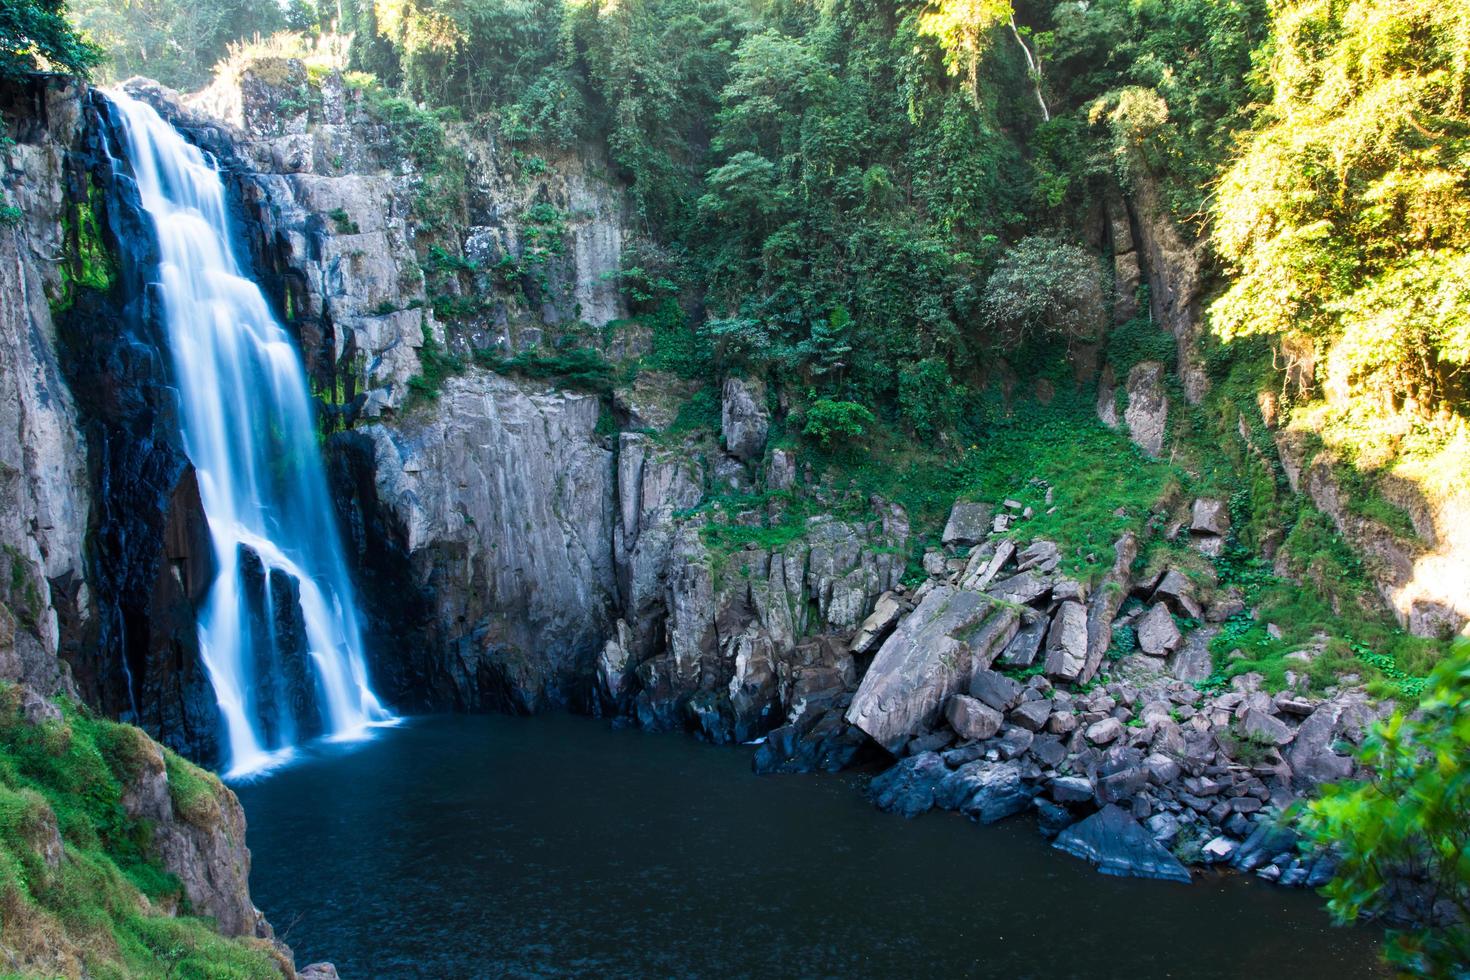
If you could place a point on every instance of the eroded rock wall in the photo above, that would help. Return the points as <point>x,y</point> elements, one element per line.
<point>45,602</point>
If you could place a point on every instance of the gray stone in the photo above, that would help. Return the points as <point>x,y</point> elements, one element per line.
<point>1258,726</point>
<point>1070,789</point>
<point>1192,662</point>
<point>1066,642</point>
<point>996,689</point>
<point>1041,555</point>
<point>1014,742</point>
<point>1162,770</point>
<point>1026,644</point>
<point>1210,517</point>
<point>1105,732</point>
<point>1031,715</point>
<point>968,524</point>
<point>1147,412</point>
<point>880,622</point>
<point>1219,850</point>
<point>919,667</point>
<point>744,421</point>
<point>972,719</point>
<point>1021,588</point>
<point>1158,636</point>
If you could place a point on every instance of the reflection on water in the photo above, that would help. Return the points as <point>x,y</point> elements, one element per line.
<point>553,846</point>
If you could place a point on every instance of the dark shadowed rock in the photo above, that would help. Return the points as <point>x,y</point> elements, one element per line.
<point>908,788</point>
<point>1116,843</point>
<point>1026,644</point>
<point>985,791</point>
<point>995,689</point>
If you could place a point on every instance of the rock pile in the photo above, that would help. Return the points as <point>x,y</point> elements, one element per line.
<point>995,692</point>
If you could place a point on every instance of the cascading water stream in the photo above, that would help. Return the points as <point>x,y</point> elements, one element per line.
<point>249,431</point>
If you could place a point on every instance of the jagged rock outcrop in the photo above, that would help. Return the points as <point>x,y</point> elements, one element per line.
<point>498,499</point>
<point>1147,411</point>
<point>361,246</point>
<point>201,843</point>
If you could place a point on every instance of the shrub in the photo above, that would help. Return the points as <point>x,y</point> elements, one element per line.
<point>827,420</point>
<point>1403,835</point>
<point>1044,288</point>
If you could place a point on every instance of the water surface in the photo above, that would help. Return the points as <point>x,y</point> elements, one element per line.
<point>554,846</point>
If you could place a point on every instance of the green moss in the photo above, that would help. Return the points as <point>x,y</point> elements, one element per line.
<point>86,262</point>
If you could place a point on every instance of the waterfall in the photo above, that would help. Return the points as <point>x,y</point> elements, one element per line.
<point>249,431</point>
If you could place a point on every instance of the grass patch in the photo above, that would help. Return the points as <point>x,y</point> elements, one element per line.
<point>96,910</point>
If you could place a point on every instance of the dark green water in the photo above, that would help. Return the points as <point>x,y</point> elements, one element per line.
<point>495,846</point>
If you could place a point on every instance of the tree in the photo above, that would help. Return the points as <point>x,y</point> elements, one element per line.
<point>35,36</point>
<point>1346,220</point>
<point>960,27</point>
<point>1403,836</point>
<point>176,42</point>
<point>1044,288</point>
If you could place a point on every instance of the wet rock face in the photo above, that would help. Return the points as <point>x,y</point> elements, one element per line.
<point>498,499</point>
<point>91,449</point>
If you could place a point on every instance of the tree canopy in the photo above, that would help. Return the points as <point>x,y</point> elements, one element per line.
<point>36,36</point>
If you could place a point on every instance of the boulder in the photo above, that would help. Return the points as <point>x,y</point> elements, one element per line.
<point>995,689</point>
<point>1192,662</point>
<point>781,470</point>
<point>1313,757</point>
<point>1066,642</point>
<point>1040,555</point>
<point>920,666</point>
<point>1026,644</point>
<point>1031,715</point>
<point>1116,843</point>
<point>985,791</point>
<point>1157,634</point>
<point>1261,727</point>
<point>744,421</point>
<point>1219,850</point>
<point>1210,517</point>
<point>1147,413</point>
<point>1103,605</point>
<point>1021,588</point>
<point>880,622</point>
<point>968,524</point>
<point>1264,844</point>
<point>972,719</point>
<point>1178,591</point>
<point>1070,789</point>
<point>908,788</point>
<point>1105,732</point>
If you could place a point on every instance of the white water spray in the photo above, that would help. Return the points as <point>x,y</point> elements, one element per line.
<point>248,430</point>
